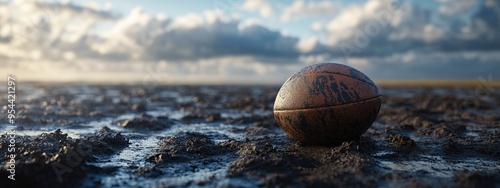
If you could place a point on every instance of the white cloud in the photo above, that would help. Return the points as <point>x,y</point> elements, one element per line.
<point>432,33</point>
<point>308,44</point>
<point>351,18</point>
<point>408,57</point>
<point>262,6</point>
<point>69,55</point>
<point>451,7</point>
<point>248,23</point>
<point>313,59</point>
<point>188,21</point>
<point>359,63</point>
<point>42,30</point>
<point>299,9</point>
<point>317,26</point>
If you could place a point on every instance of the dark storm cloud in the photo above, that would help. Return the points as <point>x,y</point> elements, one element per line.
<point>485,24</point>
<point>52,8</point>
<point>435,66</point>
<point>222,39</point>
<point>419,33</point>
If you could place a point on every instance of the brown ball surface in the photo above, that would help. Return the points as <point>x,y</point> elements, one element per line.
<point>327,104</point>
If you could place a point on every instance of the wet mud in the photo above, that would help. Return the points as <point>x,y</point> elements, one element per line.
<point>77,135</point>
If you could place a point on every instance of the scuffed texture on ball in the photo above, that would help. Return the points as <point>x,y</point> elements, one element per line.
<point>327,104</point>
<point>325,84</point>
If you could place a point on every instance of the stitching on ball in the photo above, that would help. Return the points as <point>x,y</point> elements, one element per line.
<point>352,103</point>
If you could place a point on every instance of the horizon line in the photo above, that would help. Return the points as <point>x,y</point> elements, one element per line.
<point>383,83</point>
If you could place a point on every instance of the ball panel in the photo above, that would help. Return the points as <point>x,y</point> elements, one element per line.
<point>321,90</point>
<point>334,68</point>
<point>329,125</point>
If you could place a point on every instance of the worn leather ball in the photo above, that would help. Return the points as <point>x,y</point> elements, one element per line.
<point>327,104</point>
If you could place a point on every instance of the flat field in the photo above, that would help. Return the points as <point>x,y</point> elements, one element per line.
<point>77,135</point>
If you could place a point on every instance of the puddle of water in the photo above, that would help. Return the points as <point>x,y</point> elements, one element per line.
<point>184,99</point>
<point>239,114</point>
<point>128,116</point>
<point>217,132</point>
<point>403,92</point>
<point>474,129</point>
<point>440,91</point>
<point>88,128</point>
<point>134,154</point>
<point>383,153</point>
<point>202,175</point>
<point>31,93</point>
<point>168,94</point>
<point>168,112</point>
<point>439,167</point>
<point>112,93</point>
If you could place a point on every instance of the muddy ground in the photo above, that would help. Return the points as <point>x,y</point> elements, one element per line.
<point>77,135</point>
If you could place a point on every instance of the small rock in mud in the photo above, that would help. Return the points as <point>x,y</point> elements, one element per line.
<point>148,172</point>
<point>199,116</point>
<point>147,123</point>
<point>140,107</point>
<point>106,141</point>
<point>185,147</point>
<point>402,142</point>
<point>348,156</point>
<point>451,147</point>
<point>467,178</point>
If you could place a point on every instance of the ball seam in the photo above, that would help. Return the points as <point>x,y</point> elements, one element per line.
<point>345,76</point>
<point>347,104</point>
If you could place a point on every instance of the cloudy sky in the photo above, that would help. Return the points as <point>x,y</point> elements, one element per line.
<point>246,41</point>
